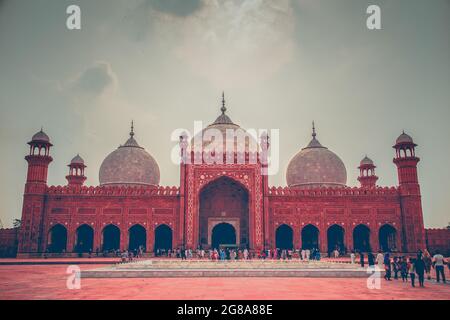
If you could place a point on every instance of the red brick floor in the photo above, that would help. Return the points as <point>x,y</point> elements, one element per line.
<point>49,282</point>
<point>94,260</point>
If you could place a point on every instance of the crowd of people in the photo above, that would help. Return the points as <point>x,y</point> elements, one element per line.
<point>240,254</point>
<point>407,267</point>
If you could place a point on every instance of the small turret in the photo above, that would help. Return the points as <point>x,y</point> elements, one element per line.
<point>367,176</point>
<point>76,175</point>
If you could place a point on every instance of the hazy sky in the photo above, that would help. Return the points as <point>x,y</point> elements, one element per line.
<point>282,64</point>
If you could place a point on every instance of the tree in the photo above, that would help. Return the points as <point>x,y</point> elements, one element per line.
<point>17,223</point>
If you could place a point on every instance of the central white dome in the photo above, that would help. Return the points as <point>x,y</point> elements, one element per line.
<point>230,134</point>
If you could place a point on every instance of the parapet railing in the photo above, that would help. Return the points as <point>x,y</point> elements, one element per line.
<point>327,191</point>
<point>114,190</point>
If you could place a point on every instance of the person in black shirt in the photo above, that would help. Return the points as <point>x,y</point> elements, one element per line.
<point>370,259</point>
<point>419,266</point>
<point>361,258</point>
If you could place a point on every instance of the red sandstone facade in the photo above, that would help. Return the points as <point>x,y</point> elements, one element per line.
<point>438,239</point>
<point>8,242</point>
<point>78,218</point>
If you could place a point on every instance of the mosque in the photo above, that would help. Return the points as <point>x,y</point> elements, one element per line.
<point>221,203</point>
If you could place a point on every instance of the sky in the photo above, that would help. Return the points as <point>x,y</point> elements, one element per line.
<point>281,63</point>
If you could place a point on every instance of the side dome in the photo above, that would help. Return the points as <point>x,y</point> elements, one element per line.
<point>316,166</point>
<point>231,135</point>
<point>129,164</point>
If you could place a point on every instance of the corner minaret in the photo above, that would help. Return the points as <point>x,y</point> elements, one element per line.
<point>38,158</point>
<point>406,161</point>
<point>410,198</point>
<point>30,235</point>
<point>76,175</point>
<point>367,176</point>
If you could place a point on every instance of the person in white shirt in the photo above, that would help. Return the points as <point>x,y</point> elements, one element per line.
<point>336,253</point>
<point>352,257</point>
<point>438,263</point>
<point>245,254</point>
<point>307,254</point>
<point>380,260</point>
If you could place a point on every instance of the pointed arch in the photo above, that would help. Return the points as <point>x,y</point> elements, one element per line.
<point>57,238</point>
<point>110,237</point>
<point>284,237</point>
<point>361,238</point>
<point>163,237</point>
<point>387,237</point>
<point>335,238</point>
<point>84,238</point>
<point>310,237</point>
<point>137,237</point>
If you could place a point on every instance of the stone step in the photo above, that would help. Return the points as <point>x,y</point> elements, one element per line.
<point>190,273</point>
<point>233,266</point>
<point>253,268</point>
<point>152,264</point>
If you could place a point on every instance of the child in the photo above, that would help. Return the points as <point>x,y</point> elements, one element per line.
<point>412,271</point>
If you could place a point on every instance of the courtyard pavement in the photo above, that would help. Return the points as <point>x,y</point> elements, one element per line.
<point>49,282</point>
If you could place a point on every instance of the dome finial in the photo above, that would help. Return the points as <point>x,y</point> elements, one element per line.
<point>313,130</point>
<point>223,109</point>
<point>132,129</point>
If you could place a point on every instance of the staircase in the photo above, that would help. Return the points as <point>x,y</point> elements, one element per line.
<point>161,268</point>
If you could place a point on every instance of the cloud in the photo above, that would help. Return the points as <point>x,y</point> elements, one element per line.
<point>238,42</point>
<point>95,80</point>
<point>229,43</point>
<point>140,21</point>
<point>179,8</point>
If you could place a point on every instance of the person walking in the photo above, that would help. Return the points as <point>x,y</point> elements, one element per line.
<point>411,271</point>
<point>361,259</point>
<point>428,262</point>
<point>419,266</point>
<point>370,259</point>
<point>352,257</point>
<point>380,260</point>
<point>438,263</point>
<point>387,267</point>
<point>336,253</point>
<point>396,267</point>
<point>404,269</point>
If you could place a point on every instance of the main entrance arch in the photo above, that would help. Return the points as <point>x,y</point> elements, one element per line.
<point>223,201</point>
<point>223,233</point>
